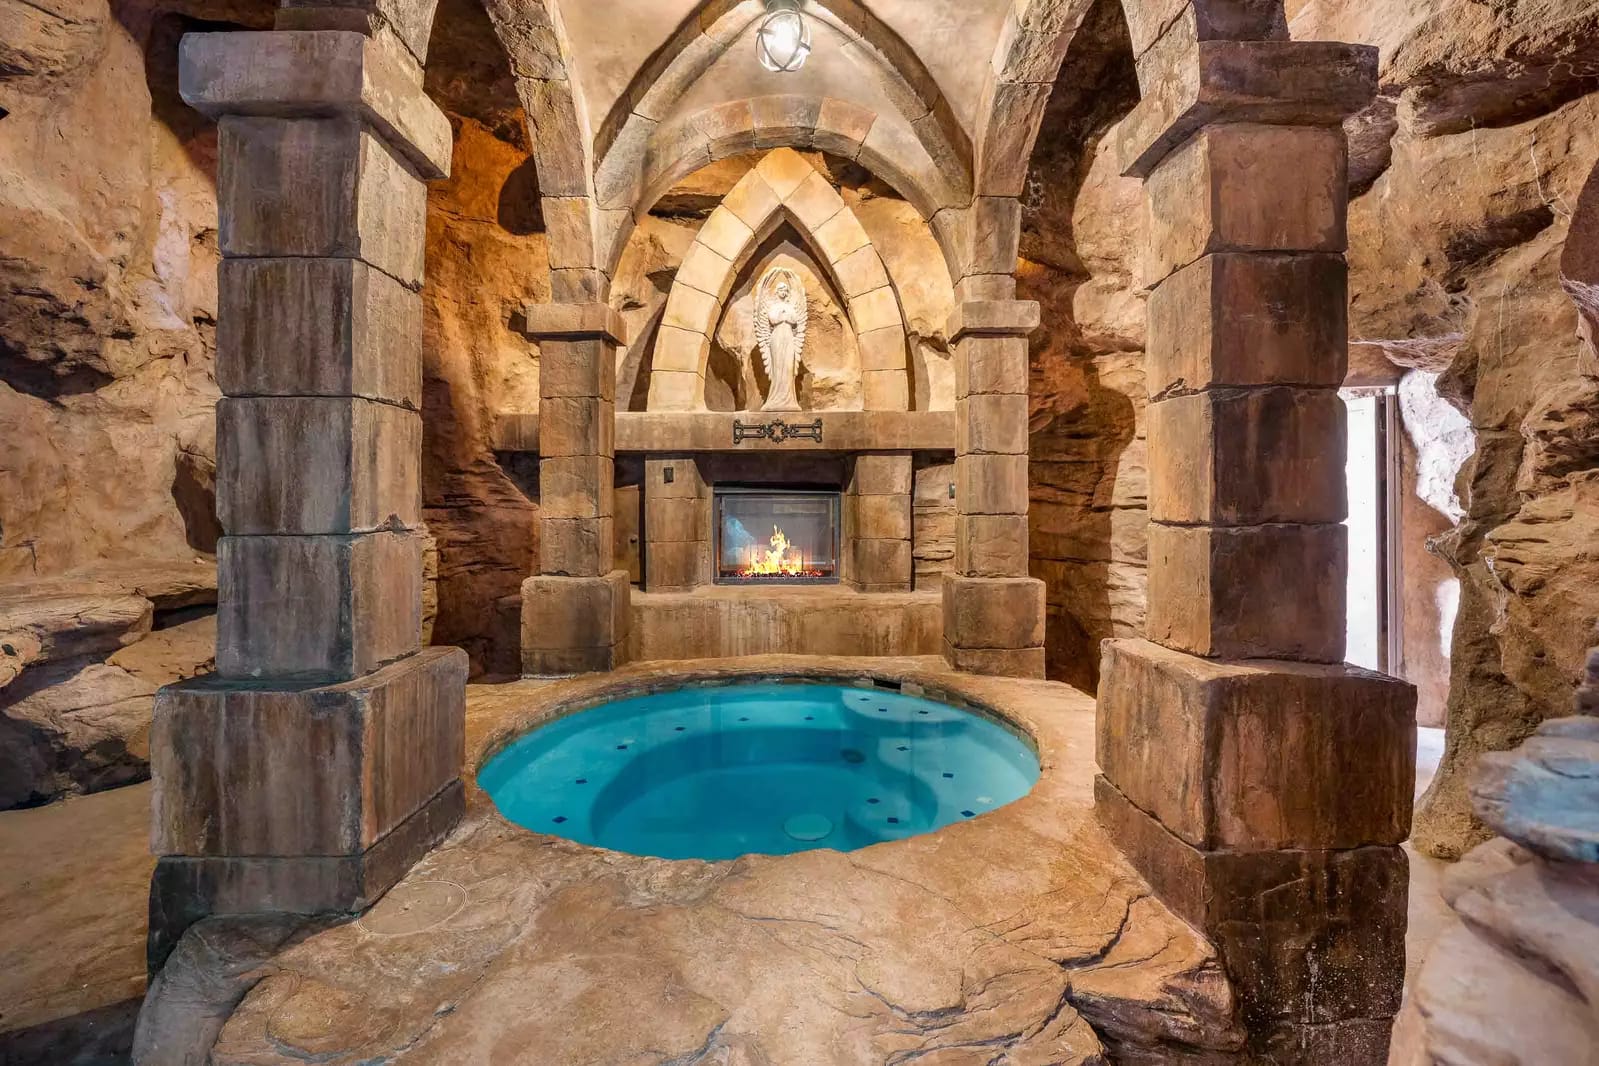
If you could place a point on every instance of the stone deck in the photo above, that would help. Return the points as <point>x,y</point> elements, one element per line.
<point>1020,933</point>
<point>74,880</point>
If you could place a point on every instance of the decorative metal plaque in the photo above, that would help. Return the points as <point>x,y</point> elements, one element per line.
<point>777,431</point>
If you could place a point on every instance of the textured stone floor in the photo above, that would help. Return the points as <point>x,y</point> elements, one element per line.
<point>72,910</point>
<point>74,879</point>
<point>1013,936</point>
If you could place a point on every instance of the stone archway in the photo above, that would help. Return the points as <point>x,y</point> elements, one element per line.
<point>782,185</point>
<point>1229,741</point>
<point>687,143</point>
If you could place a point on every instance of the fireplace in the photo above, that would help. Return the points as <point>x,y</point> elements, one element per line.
<point>777,536</point>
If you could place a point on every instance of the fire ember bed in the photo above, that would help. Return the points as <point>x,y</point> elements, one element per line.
<point>776,537</point>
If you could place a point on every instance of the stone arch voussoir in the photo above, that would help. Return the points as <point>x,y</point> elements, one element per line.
<point>782,186</point>
<point>888,149</point>
<point>538,53</point>
<point>1033,44</point>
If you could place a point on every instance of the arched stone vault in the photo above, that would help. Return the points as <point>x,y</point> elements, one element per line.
<point>712,28</point>
<point>836,127</point>
<point>593,182</point>
<point>782,185</point>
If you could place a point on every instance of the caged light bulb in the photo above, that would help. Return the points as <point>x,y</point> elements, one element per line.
<point>784,40</point>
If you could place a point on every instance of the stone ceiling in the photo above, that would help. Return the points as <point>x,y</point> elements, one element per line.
<point>611,42</point>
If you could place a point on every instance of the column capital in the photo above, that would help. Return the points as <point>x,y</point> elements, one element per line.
<point>1191,83</point>
<point>317,74</point>
<point>993,318</point>
<point>573,321</point>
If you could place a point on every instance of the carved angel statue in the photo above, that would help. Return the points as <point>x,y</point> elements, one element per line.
<point>781,312</point>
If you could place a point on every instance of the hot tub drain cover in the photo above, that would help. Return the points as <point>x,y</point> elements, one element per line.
<point>808,826</point>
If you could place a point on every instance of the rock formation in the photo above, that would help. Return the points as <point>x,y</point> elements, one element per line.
<point>107,322</point>
<point>1471,166</point>
<point>1514,976</point>
<point>107,385</point>
<point>1082,232</point>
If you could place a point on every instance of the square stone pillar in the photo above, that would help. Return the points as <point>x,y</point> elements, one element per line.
<point>1260,784</point>
<point>993,611</point>
<point>877,523</point>
<point>577,609</point>
<point>323,757</point>
<point>678,539</point>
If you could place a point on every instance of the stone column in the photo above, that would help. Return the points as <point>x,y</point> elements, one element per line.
<point>323,757</point>
<point>993,612</point>
<point>576,610</point>
<point>877,523</point>
<point>1259,783</point>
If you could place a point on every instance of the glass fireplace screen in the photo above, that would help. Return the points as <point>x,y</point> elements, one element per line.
<point>776,537</point>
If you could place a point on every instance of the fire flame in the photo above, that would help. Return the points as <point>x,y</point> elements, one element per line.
<point>782,559</point>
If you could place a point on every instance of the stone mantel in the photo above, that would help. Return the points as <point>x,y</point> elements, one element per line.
<point>712,431</point>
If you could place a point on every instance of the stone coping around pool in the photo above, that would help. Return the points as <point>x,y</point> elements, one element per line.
<point>1020,934</point>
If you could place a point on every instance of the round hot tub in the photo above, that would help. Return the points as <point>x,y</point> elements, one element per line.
<point>718,771</point>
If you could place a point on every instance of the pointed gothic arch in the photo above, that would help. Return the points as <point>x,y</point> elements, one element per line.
<point>836,127</point>
<point>782,186</point>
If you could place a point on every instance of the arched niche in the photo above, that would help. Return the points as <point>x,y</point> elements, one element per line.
<point>830,377</point>
<point>783,186</point>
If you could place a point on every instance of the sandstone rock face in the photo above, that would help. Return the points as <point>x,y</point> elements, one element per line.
<point>1468,173</point>
<point>69,722</point>
<point>1082,231</point>
<point>1514,978</point>
<point>107,321</point>
<point>89,728</point>
<point>107,291</point>
<point>74,895</point>
<point>482,266</point>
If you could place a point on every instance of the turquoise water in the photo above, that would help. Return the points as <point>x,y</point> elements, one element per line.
<point>712,772</point>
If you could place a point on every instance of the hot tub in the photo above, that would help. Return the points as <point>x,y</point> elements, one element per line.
<point>718,771</point>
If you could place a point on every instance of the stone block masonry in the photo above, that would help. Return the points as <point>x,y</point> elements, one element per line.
<point>1261,785</point>
<point>323,757</point>
<point>877,523</point>
<point>575,611</point>
<point>993,611</point>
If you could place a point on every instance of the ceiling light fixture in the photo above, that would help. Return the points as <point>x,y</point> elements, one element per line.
<point>784,40</point>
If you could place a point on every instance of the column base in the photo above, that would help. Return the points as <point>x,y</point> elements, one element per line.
<point>1314,941</point>
<point>260,769</point>
<point>1264,801</point>
<point>994,625</point>
<point>1257,754</point>
<point>184,889</point>
<point>575,625</point>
